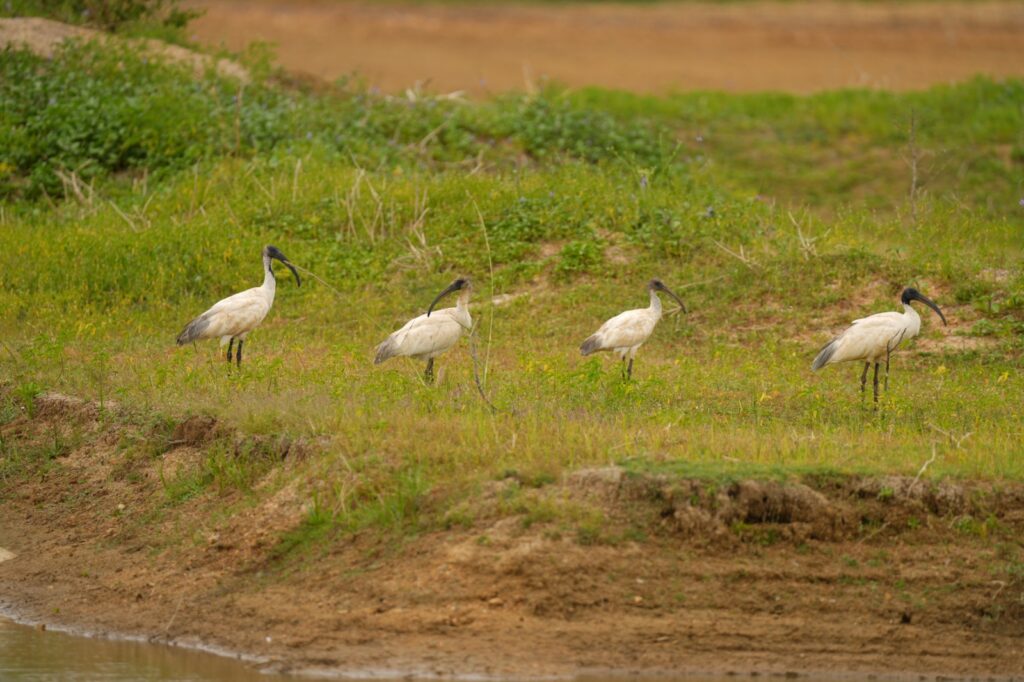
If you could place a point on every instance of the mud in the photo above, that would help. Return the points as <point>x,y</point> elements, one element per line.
<point>879,575</point>
<point>484,48</point>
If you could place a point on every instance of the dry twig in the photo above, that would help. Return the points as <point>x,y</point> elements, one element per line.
<point>741,255</point>
<point>922,469</point>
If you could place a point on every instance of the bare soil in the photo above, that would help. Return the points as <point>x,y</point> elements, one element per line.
<point>483,48</point>
<point>860,575</point>
<point>43,37</point>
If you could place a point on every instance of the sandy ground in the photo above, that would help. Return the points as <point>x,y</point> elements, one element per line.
<point>799,47</point>
<point>859,575</point>
<point>43,37</point>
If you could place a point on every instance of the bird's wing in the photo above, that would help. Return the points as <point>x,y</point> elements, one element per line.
<point>625,330</point>
<point>235,315</point>
<point>240,299</point>
<point>422,336</point>
<point>880,319</point>
<point>869,337</point>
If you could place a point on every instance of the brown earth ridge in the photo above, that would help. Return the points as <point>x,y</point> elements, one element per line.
<point>827,574</point>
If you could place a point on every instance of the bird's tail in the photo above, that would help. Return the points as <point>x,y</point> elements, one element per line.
<point>824,355</point>
<point>193,331</point>
<point>384,351</point>
<point>591,345</point>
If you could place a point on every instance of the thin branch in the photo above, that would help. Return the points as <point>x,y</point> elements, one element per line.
<point>490,321</point>
<point>806,243</point>
<point>476,370</point>
<point>428,138</point>
<point>913,160</point>
<point>314,276</point>
<point>124,216</point>
<point>922,469</point>
<point>167,628</point>
<point>873,533</point>
<point>741,256</point>
<point>295,179</point>
<point>953,439</point>
<point>490,267</point>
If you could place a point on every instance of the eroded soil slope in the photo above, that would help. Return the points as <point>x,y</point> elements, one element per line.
<point>631,571</point>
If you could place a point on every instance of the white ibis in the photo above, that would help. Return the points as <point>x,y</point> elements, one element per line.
<point>235,316</point>
<point>873,339</point>
<point>427,336</point>
<point>626,332</point>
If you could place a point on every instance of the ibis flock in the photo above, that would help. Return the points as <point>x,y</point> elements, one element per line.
<point>870,340</point>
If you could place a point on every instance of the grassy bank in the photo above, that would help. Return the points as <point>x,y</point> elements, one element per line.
<point>137,196</point>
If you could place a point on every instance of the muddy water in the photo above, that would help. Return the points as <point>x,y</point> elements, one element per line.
<point>31,655</point>
<point>28,654</point>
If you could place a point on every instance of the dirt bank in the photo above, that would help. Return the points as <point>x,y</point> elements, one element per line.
<point>491,47</point>
<point>43,37</point>
<point>883,575</point>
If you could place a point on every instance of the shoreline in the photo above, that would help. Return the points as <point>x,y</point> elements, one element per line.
<point>259,664</point>
<point>800,585</point>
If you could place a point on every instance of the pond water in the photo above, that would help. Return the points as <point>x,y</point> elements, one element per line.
<point>28,654</point>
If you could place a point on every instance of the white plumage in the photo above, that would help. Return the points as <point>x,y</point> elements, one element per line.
<point>232,318</point>
<point>431,334</point>
<point>626,332</point>
<point>873,339</point>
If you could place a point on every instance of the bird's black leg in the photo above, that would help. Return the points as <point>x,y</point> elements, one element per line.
<point>629,369</point>
<point>231,344</point>
<point>876,382</point>
<point>428,373</point>
<point>239,356</point>
<point>890,346</point>
<point>864,380</point>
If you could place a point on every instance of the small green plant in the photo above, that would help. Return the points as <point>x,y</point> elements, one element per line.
<point>26,394</point>
<point>315,525</point>
<point>579,257</point>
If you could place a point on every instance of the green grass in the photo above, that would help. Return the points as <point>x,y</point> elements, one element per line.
<point>583,197</point>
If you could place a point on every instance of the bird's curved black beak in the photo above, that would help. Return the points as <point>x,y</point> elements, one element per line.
<point>454,286</point>
<point>931,304</point>
<point>281,257</point>
<point>672,294</point>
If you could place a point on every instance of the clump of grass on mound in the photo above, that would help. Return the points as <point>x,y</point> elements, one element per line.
<point>162,17</point>
<point>94,112</point>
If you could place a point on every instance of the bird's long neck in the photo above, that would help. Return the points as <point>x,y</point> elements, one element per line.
<point>913,319</point>
<point>462,307</point>
<point>655,306</point>
<point>269,282</point>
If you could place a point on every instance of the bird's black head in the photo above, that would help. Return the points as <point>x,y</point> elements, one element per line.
<point>457,285</point>
<point>912,294</point>
<point>275,253</point>
<point>657,285</point>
